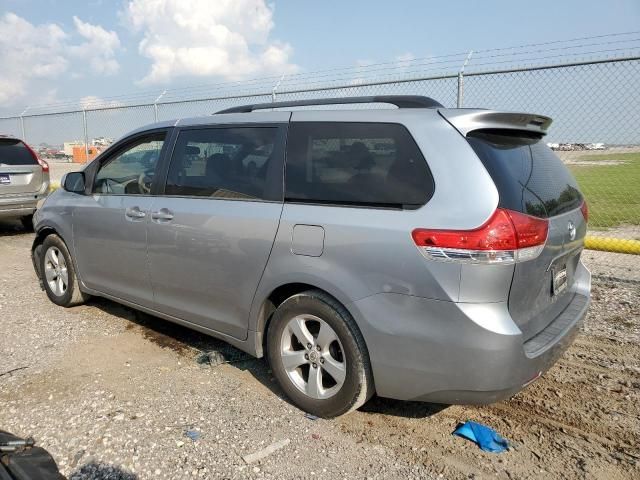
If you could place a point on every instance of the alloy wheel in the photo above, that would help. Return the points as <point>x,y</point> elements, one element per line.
<point>313,357</point>
<point>55,271</point>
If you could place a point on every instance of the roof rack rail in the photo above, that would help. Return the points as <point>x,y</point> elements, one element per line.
<point>400,101</point>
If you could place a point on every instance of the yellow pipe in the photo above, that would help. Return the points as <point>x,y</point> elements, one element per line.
<point>616,245</point>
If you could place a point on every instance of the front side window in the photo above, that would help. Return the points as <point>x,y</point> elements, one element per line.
<point>229,162</point>
<point>130,171</point>
<point>374,164</point>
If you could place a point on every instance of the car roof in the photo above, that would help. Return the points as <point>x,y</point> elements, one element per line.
<point>284,115</point>
<point>408,108</point>
<point>282,111</point>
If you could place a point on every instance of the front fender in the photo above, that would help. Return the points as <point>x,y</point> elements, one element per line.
<point>54,216</point>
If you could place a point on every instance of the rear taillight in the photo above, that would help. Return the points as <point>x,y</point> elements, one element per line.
<point>584,208</point>
<point>507,237</point>
<point>42,163</point>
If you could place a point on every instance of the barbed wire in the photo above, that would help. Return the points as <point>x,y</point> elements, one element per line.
<point>403,61</point>
<point>365,73</point>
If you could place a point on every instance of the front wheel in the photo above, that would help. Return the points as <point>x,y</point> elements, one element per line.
<point>58,274</point>
<point>318,355</point>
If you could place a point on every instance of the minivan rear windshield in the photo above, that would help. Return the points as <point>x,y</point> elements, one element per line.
<point>529,176</point>
<point>14,152</point>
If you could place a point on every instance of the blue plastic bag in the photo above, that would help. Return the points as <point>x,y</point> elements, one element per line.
<point>485,437</point>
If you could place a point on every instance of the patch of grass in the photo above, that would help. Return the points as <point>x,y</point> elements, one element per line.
<point>612,191</point>
<point>620,157</point>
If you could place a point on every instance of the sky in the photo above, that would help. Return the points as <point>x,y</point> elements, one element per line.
<point>53,51</point>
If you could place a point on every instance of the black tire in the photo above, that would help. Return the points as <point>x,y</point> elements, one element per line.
<point>72,295</point>
<point>27,222</point>
<point>357,387</point>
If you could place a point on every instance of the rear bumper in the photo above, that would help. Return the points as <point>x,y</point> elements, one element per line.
<point>459,353</point>
<point>20,205</point>
<point>16,212</point>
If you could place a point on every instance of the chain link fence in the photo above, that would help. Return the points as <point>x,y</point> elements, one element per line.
<point>595,106</point>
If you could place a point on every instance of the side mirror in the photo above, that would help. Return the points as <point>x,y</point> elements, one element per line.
<point>73,182</point>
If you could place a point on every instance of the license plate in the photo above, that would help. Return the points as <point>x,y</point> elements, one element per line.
<point>5,179</point>
<point>559,280</point>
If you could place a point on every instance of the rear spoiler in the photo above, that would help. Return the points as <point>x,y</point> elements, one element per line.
<point>468,120</point>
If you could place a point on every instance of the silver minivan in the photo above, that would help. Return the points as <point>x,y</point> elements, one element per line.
<point>417,252</point>
<point>24,180</point>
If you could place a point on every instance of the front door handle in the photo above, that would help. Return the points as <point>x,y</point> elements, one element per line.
<point>134,212</point>
<point>162,215</point>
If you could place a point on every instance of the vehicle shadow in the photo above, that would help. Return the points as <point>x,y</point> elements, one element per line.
<point>10,228</point>
<point>192,345</point>
<point>400,408</point>
<point>189,343</point>
<point>165,334</point>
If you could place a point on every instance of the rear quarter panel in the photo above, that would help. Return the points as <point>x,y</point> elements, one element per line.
<point>368,250</point>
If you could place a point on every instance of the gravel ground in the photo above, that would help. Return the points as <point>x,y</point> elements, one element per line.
<point>110,393</point>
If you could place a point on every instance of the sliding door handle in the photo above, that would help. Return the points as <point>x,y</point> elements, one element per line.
<point>134,212</point>
<point>162,215</point>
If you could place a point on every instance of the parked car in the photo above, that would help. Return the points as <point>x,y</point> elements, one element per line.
<point>24,180</point>
<point>446,270</point>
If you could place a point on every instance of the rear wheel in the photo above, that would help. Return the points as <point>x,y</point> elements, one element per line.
<point>27,222</point>
<point>58,274</point>
<point>318,355</point>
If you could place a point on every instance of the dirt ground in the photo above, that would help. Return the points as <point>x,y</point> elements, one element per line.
<point>111,392</point>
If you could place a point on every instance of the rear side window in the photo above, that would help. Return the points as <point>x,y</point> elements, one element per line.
<point>373,164</point>
<point>14,152</point>
<point>530,178</point>
<point>232,163</point>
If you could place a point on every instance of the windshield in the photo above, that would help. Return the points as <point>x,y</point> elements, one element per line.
<point>14,152</point>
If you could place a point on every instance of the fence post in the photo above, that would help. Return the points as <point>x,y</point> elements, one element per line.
<point>155,105</point>
<point>86,136</point>
<point>460,100</point>
<point>24,136</point>
<point>275,87</point>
